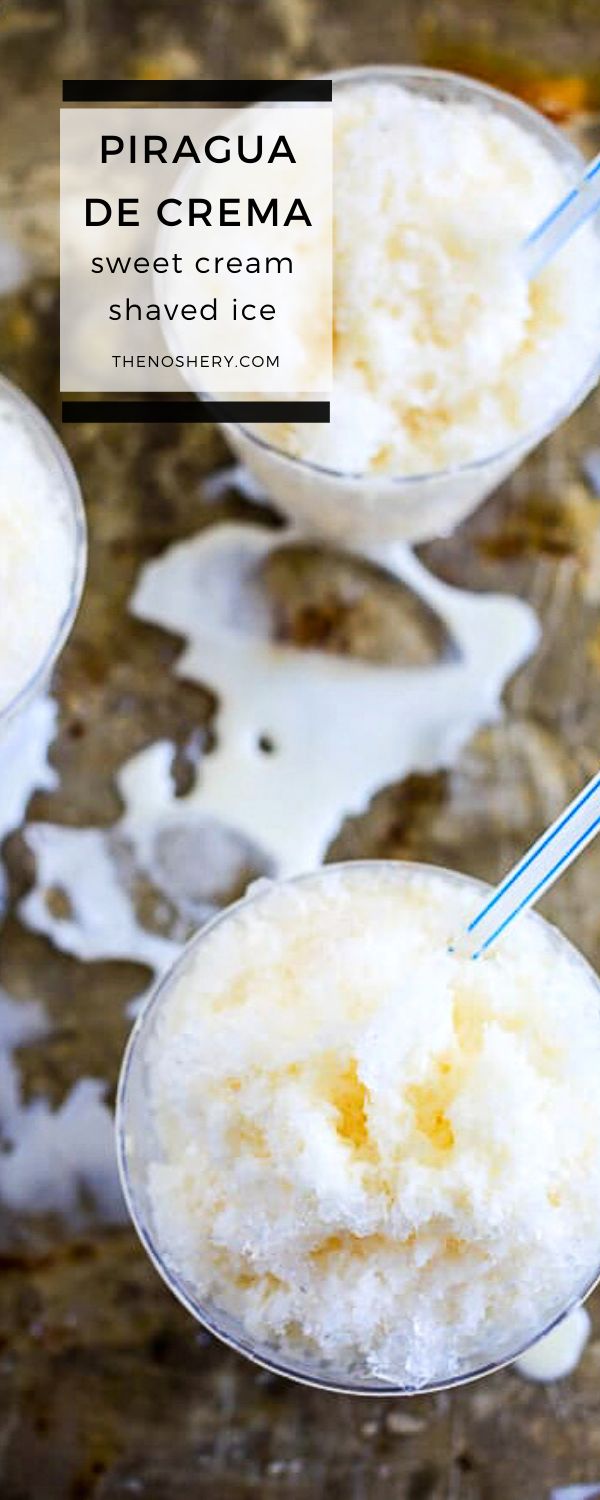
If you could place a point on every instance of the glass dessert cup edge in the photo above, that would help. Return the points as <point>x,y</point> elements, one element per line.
<point>44,435</point>
<point>296,1367</point>
<point>372,508</point>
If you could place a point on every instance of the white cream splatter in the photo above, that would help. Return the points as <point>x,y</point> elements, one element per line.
<point>24,768</point>
<point>101,922</point>
<point>337,730</point>
<point>559,1353</point>
<point>53,1161</point>
<point>21,1021</point>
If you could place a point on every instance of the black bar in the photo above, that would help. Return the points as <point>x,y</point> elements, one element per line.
<point>196,91</point>
<point>195,411</point>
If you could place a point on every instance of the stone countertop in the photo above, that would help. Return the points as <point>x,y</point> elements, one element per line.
<point>107,1388</point>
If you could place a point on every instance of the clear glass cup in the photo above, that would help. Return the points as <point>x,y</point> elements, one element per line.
<point>137,1146</point>
<point>370,510</point>
<point>54,458</point>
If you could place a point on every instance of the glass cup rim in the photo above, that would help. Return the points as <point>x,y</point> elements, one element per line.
<point>532,118</point>
<point>47,440</point>
<point>202,1314</point>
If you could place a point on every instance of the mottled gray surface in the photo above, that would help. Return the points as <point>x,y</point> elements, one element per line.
<point>107,1389</point>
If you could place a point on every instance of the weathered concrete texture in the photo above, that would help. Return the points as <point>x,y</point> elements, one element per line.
<point>107,1389</point>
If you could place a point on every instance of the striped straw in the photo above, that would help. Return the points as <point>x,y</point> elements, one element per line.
<point>553,852</point>
<point>568,215</point>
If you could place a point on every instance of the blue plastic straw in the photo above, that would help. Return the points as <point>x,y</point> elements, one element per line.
<point>573,211</point>
<point>553,852</point>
